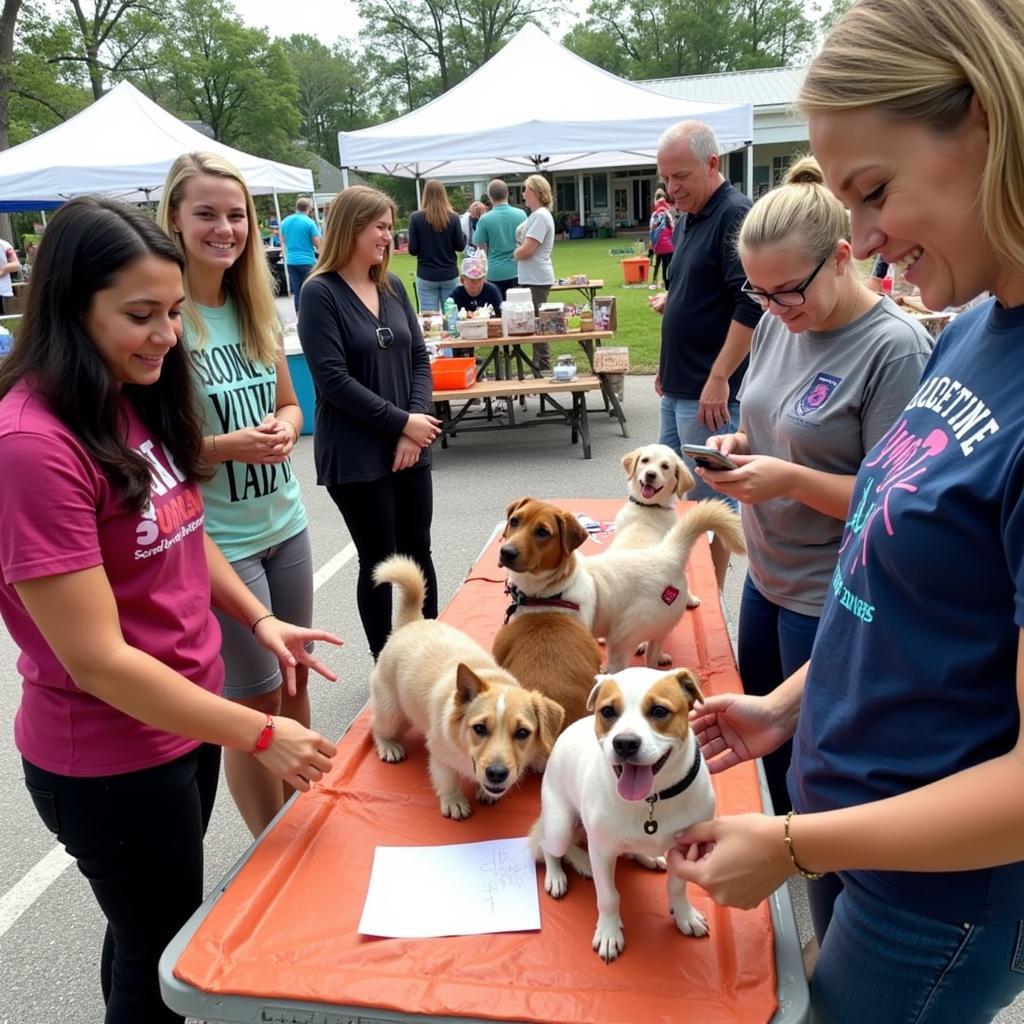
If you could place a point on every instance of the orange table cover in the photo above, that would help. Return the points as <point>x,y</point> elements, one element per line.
<point>285,927</point>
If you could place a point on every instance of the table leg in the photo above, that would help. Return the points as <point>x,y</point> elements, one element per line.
<point>579,401</point>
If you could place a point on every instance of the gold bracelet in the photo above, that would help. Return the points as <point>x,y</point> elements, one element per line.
<point>788,839</point>
<point>213,443</point>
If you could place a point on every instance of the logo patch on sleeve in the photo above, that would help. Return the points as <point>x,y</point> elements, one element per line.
<point>669,594</point>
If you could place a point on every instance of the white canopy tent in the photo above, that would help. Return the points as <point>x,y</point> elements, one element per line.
<point>122,146</point>
<point>534,105</point>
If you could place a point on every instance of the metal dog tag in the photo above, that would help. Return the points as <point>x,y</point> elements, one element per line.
<point>650,827</point>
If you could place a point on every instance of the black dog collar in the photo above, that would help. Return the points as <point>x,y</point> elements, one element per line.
<point>650,825</point>
<point>644,504</point>
<point>521,600</point>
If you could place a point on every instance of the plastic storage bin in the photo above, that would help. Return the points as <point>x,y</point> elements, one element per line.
<point>635,269</point>
<point>453,374</point>
<point>301,379</point>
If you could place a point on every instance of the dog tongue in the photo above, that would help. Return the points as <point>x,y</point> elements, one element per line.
<point>635,781</point>
<point>648,491</point>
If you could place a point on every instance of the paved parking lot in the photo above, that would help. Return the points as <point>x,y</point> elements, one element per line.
<point>50,929</point>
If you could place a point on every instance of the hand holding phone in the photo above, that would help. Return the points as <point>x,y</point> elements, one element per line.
<point>707,457</point>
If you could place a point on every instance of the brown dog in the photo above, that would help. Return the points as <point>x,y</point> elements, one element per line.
<point>554,654</point>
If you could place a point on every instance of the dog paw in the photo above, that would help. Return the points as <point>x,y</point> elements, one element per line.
<point>664,660</point>
<point>690,921</point>
<point>456,807</point>
<point>641,649</point>
<point>651,863</point>
<point>692,601</point>
<point>608,939</point>
<point>390,751</point>
<point>556,882</point>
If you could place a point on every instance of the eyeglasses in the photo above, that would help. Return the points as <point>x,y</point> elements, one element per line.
<point>385,337</point>
<point>790,297</point>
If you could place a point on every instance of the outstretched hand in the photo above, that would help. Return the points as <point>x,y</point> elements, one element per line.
<point>288,643</point>
<point>735,727</point>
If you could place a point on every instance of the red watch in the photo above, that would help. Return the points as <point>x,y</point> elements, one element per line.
<point>265,737</point>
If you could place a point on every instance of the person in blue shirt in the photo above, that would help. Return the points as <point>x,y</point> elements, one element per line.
<point>300,240</point>
<point>908,755</point>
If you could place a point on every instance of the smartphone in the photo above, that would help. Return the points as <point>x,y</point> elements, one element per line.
<point>708,458</point>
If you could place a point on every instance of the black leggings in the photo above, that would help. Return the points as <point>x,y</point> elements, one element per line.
<point>386,517</point>
<point>661,262</point>
<point>138,840</point>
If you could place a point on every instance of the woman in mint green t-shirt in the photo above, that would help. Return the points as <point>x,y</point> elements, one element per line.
<point>252,420</point>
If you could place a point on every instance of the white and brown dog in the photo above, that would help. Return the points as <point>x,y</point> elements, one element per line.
<point>632,776</point>
<point>656,478</point>
<point>626,596</point>
<point>479,723</point>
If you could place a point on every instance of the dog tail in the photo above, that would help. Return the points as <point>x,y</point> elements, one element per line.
<point>710,514</point>
<point>404,572</point>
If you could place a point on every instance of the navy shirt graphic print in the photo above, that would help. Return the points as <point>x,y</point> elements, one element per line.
<point>913,673</point>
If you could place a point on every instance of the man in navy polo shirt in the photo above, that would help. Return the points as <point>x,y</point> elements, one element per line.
<point>707,321</point>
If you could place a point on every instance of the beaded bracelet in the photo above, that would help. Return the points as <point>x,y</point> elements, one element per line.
<point>802,872</point>
<point>269,615</point>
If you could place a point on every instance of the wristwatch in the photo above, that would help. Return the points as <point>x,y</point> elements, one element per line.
<point>265,737</point>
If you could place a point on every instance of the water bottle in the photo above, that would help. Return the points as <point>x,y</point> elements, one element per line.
<point>451,317</point>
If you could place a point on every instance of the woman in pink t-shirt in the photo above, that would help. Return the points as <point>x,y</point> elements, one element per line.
<point>106,588</point>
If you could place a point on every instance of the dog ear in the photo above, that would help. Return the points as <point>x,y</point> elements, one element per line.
<point>684,478</point>
<point>595,690</point>
<point>468,685</point>
<point>515,506</point>
<point>690,685</point>
<point>573,535</point>
<point>550,715</point>
<point>629,462</point>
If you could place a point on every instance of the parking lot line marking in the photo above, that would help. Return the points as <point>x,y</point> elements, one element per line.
<point>45,872</point>
<point>332,566</point>
<point>35,882</point>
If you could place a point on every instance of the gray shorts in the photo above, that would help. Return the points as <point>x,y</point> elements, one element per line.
<point>282,578</point>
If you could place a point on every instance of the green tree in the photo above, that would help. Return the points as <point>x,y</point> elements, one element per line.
<point>110,39</point>
<point>331,91</point>
<point>421,48</point>
<point>232,78</point>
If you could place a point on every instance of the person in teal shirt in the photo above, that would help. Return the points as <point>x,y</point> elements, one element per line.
<point>251,422</point>
<point>496,235</point>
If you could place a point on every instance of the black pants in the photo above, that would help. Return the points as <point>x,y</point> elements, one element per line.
<point>138,840</point>
<point>661,262</point>
<point>387,517</point>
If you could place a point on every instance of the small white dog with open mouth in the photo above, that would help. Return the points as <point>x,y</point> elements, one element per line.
<point>479,723</point>
<point>656,477</point>
<point>632,776</point>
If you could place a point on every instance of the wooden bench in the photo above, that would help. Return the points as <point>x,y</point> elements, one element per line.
<point>509,390</point>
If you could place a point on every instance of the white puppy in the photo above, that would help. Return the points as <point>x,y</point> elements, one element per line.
<point>479,723</point>
<point>627,596</point>
<point>656,478</point>
<point>632,776</point>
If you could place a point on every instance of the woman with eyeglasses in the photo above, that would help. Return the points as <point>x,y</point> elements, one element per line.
<point>251,421</point>
<point>829,371</point>
<point>371,372</point>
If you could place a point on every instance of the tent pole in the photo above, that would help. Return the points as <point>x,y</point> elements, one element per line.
<point>344,177</point>
<point>417,179</point>
<point>579,195</point>
<point>748,174</point>
<point>277,213</point>
<point>43,215</point>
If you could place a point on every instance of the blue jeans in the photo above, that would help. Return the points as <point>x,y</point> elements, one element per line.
<point>431,294</point>
<point>886,965</point>
<point>679,426</point>
<point>773,643</point>
<point>297,275</point>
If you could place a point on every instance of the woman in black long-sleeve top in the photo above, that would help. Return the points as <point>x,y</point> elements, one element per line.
<point>435,239</point>
<point>370,369</point>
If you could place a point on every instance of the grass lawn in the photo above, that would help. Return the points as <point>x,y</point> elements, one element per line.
<point>638,327</point>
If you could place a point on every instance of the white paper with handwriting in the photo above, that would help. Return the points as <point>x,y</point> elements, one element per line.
<point>465,889</point>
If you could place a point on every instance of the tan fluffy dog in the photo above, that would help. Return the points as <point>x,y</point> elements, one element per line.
<point>656,477</point>
<point>479,723</point>
<point>626,596</point>
<point>554,654</point>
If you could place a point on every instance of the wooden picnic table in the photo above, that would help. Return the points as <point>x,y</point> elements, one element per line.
<point>588,291</point>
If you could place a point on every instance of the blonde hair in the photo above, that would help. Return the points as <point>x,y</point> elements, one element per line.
<point>541,188</point>
<point>348,217</point>
<point>247,280</point>
<point>943,54</point>
<point>802,211</point>
<point>436,207</point>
